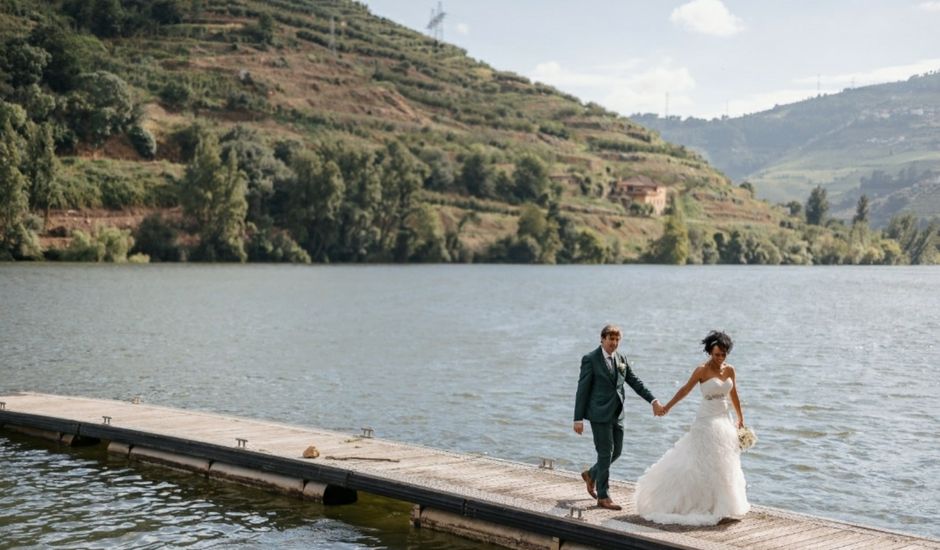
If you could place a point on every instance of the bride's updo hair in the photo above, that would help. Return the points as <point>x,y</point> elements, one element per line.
<point>717,338</point>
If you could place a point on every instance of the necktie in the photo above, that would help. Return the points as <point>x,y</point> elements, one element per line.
<point>610,364</point>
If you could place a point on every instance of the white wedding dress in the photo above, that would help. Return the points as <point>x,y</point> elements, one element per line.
<point>699,481</point>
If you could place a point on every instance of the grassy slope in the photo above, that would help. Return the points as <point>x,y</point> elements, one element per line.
<point>388,82</point>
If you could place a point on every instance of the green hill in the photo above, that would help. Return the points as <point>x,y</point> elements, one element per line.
<point>838,141</point>
<point>296,129</point>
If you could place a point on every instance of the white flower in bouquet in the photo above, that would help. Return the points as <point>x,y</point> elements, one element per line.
<point>746,438</point>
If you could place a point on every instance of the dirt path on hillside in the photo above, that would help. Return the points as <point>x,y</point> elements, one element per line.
<point>61,223</point>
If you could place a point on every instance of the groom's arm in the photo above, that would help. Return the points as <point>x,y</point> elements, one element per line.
<point>637,385</point>
<point>585,382</point>
<point>641,390</point>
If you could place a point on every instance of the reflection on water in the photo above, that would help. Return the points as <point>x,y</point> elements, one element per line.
<point>837,368</point>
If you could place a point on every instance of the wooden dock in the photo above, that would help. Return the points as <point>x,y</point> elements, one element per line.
<point>508,503</point>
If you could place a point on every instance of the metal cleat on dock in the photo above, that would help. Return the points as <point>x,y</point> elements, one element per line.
<point>106,420</point>
<point>135,400</point>
<point>241,443</point>
<point>3,405</point>
<point>367,432</point>
<point>575,512</point>
<point>547,464</point>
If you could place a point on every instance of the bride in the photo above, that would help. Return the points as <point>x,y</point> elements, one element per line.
<point>699,481</point>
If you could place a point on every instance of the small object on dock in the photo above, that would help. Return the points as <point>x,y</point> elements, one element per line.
<point>241,443</point>
<point>311,452</point>
<point>3,405</point>
<point>367,432</point>
<point>547,463</point>
<point>106,420</point>
<point>575,512</point>
<point>372,458</point>
<point>135,400</point>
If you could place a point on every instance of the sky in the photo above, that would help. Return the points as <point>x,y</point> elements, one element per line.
<point>702,58</point>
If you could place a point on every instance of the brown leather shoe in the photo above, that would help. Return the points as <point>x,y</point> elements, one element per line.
<point>609,504</point>
<point>586,476</point>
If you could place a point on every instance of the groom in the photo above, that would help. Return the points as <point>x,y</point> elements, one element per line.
<point>600,399</point>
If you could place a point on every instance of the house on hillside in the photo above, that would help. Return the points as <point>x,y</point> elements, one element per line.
<point>639,190</point>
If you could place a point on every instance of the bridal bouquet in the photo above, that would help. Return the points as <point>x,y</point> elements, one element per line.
<point>746,438</point>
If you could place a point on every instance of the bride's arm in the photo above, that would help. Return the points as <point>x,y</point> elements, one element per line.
<point>734,398</point>
<point>684,390</point>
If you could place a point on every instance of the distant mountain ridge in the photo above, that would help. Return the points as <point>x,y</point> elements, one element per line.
<point>832,140</point>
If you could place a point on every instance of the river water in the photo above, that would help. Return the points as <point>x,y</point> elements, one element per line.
<point>837,371</point>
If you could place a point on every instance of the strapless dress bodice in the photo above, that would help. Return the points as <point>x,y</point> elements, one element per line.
<point>715,393</point>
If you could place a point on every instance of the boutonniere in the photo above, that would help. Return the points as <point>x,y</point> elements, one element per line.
<point>621,367</point>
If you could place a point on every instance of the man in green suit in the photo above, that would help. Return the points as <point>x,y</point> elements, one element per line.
<point>600,400</point>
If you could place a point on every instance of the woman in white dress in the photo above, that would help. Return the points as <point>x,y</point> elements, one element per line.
<point>699,481</point>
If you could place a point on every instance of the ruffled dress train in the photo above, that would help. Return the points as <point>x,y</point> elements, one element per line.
<point>699,480</point>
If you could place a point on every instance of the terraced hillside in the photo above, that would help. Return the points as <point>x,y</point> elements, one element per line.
<point>355,139</point>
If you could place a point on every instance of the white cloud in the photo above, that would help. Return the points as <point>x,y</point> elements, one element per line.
<point>628,87</point>
<point>891,73</point>
<point>707,17</point>
<point>932,5</point>
<point>463,28</point>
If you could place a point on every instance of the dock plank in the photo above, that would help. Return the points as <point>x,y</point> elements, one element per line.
<point>795,538</point>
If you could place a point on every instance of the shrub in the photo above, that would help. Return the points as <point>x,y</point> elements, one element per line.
<point>176,94</point>
<point>117,192</point>
<point>143,141</point>
<point>157,237</point>
<point>270,245</point>
<point>105,244</point>
<point>83,248</point>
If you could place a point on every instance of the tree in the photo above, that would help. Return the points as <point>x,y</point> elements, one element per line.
<point>795,208</point>
<point>107,18</point>
<point>69,55</point>
<point>530,180</point>
<point>167,12</point>
<point>359,234</point>
<point>673,246</point>
<point>157,237</point>
<point>591,248</point>
<point>441,174</point>
<point>16,239</point>
<point>213,198</point>
<point>423,238</point>
<point>101,107</point>
<point>535,224</point>
<point>260,166</point>
<point>817,206</point>
<point>401,177</point>
<point>264,30</point>
<point>23,63</point>
<point>749,187</point>
<point>42,167</point>
<point>919,243</point>
<point>315,195</point>
<point>861,211</point>
<point>476,176</point>
<point>455,246</point>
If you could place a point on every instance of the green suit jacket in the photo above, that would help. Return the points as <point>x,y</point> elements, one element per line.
<point>600,394</point>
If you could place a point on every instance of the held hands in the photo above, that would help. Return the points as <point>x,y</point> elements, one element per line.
<point>658,409</point>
